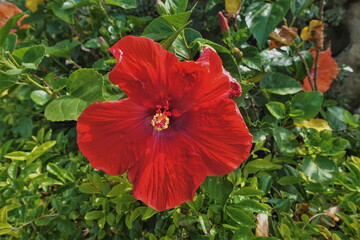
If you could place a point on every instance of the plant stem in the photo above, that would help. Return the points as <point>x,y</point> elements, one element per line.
<point>73,62</point>
<point>38,85</point>
<point>43,216</point>
<point>306,67</point>
<point>321,16</point>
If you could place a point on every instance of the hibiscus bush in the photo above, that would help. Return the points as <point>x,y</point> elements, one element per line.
<point>210,121</point>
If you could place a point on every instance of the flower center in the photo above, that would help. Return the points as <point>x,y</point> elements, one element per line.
<point>161,120</point>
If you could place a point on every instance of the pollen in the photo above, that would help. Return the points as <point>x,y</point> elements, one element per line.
<point>160,121</point>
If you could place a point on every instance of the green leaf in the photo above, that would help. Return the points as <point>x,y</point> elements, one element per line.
<point>62,174</point>
<point>88,188</point>
<point>5,84</point>
<point>308,102</point>
<point>250,205</point>
<point>252,58</point>
<point>276,57</point>
<point>248,191</point>
<point>218,188</point>
<point>279,83</point>
<point>29,169</point>
<point>6,28</point>
<point>33,57</point>
<point>176,6</point>
<point>350,119</point>
<point>84,87</point>
<point>163,26</point>
<point>93,215</point>
<point>167,44</point>
<point>299,65</point>
<point>319,169</point>
<point>240,217</point>
<point>62,12</point>
<point>335,118</point>
<point>10,42</point>
<point>118,189</point>
<point>277,109</point>
<point>261,164</point>
<point>62,49</point>
<point>284,142</point>
<point>289,180</point>
<point>297,6</point>
<point>18,155</point>
<point>85,84</point>
<point>38,151</point>
<point>123,198</point>
<point>333,146</point>
<point>148,213</point>
<point>65,108</point>
<point>126,4</point>
<point>262,18</point>
<point>40,97</point>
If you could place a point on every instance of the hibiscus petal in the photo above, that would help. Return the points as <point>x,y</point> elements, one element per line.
<point>142,69</point>
<point>201,81</point>
<point>169,173</point>
<point>112,135</point>
<point>219,135</point>
<point>327,71</point>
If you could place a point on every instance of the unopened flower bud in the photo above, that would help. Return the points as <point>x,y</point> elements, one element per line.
<point>224,26</point>
<point>161,8</point>
<point>103,44</point>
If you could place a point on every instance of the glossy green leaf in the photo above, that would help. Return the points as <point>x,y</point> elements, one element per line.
<point>284,142</point>
<point>261,164</point>
<point>62,49</point>
<point>88,188</point>
<point>319,169</point>
<point>279,83</point>
<point>277,109</point>
<point>65,14</point>
<point>163,26</point>
<point>308,102</point>
<point>40,97</point>
<point>126,4</point>
<point>218,189</point>
<point>6,28</point>
<point>262,18</point>
<point>335,118</point>
<point>93,215</point>
<point>168,42</point>
<point>276,57</point>
<point>297,6</point>
<point>10,42</point>
<point>240,217</point>
<point>33,56</point>
<point>252,58</point>
<point>250,205</point>
<point>39,150</point>
<point>6,84</point>
<point>65,108</point>
<point>176,6</point>
<point>18,155</point>
<point>249,191</point>
<point>85,84</point>
<point>289,180</point>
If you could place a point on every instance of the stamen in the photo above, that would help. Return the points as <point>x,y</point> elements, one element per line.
<point>160,120</point>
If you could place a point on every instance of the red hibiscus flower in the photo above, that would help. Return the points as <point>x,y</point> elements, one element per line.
<point>326,72</point>
<point>177,126</point>
<point>8,9</point>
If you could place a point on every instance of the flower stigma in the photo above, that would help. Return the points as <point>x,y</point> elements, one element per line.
<point>161,119</point>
